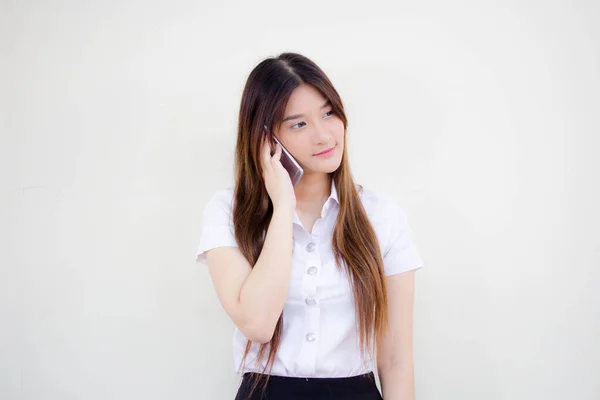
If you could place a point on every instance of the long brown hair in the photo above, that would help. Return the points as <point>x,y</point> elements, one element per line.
<point>354,242</point>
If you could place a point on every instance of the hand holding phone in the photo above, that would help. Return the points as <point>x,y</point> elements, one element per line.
<point>276,178</point>
<point>290,164</point>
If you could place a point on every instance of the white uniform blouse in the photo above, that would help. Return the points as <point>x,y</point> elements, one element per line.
<point>320,337</point>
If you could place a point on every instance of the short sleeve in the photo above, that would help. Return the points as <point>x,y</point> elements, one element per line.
<point>401,253</point>
<point>217,224</point>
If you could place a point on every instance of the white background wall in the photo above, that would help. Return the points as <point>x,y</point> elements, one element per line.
<point>117,122</point>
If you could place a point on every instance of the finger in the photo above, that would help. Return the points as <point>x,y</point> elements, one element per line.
<point>265,151</point>
<point>266,154</point>
<point>278,151</point>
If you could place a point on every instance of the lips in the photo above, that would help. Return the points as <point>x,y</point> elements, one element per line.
<point>325,151</point>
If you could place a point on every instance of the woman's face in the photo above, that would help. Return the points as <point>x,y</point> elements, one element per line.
<point>310,127</point>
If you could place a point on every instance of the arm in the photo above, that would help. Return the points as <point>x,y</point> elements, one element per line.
<point>395,352</point>
<point>254,297</point>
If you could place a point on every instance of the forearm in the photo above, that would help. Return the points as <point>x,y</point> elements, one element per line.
<point>264,292</point>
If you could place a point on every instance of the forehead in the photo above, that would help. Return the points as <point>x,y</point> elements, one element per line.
<point>304,98</point>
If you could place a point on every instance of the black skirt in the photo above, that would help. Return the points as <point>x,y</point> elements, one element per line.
<point>360,387</point>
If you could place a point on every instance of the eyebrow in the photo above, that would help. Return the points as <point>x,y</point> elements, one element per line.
<point>289,117</point>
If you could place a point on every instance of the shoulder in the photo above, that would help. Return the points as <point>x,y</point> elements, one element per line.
<point>221,199</point>
<point>386,215</point>
<point>379,205</point>
<point>219,207</point>
<point>217,223</point>
<point>225,194</point>
<point>390,222</point>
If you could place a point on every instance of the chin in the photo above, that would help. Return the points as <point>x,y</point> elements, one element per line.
<point>327,166</point>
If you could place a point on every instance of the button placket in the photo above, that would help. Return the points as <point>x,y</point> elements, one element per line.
<point>312,318</point>
<point>312,311</point>
<point>310,301</point>
<point>313,263</point>
<point>312,270</point>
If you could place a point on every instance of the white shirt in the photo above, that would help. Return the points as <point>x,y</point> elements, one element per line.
<point>320,336</point>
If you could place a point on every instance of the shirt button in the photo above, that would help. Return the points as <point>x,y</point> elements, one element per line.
<point>310,301</point>
<point>312,271</point>
<point>310,247</point>
<point>310,337</point>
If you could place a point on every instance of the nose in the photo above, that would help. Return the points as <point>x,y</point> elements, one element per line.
<point>322,134</point>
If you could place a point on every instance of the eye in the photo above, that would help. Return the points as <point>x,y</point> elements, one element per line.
<point>301,122</point>
<point>327,114</point>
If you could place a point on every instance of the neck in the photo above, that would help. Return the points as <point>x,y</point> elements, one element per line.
<point>313,190</point>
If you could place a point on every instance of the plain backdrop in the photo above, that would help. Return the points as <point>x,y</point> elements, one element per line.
<point>118,122</point>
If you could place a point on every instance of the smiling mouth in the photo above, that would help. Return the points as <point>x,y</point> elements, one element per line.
<point>325,151</point>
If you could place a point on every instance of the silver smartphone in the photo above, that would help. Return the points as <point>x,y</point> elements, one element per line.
<point>290,164</point>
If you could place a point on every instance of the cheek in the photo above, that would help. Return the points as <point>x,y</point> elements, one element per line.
<point>299,149</point>
<point>340,134</point>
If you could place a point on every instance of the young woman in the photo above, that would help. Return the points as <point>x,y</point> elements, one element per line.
<point>317,278</point>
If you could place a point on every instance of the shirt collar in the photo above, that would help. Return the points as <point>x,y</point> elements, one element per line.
<point>334,194</point>
<point>332,199</point>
